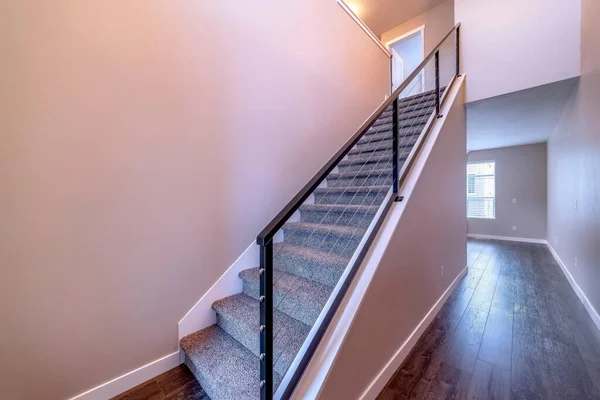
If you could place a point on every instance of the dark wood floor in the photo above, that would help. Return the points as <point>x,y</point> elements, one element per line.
<point>513,329</point>
<point>176,384</point>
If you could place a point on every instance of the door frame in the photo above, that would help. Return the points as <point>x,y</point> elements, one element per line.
<point>414,32</point>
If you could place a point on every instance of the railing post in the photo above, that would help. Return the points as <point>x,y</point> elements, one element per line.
<point>395,147</point>
<point>266,321</point>
<point>457,50</point>
<point>437,83</point>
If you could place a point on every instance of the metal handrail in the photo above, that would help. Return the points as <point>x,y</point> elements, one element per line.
<point>265,238</point>
<point>267,234</point>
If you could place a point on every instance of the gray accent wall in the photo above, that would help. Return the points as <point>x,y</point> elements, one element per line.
<point>520,175</point>
<point>574,168</point>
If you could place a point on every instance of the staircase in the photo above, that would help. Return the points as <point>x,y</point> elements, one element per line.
<point>308,263</point>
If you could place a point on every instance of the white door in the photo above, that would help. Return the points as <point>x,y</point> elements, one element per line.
<point>397,70</point>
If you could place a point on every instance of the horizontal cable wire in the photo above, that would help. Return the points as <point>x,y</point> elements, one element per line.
<point>403,141</point>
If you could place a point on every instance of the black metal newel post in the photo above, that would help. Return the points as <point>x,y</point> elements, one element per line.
<point>395,147</point>
<point>266,321</point>
<point>437,83</point>
<point>458,50</point>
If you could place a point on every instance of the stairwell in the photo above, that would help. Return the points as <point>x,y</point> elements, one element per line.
<point>308,262</point>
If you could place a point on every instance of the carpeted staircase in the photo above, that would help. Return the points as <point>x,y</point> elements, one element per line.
<point>308,262</point>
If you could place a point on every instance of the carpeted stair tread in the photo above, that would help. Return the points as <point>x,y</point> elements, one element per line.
<point>319,229</point>
<point>383,161</point>
<point>340,207</point>
<point>351,215</point>
<point>417,113</point>
<point>341,240</point>
<point>239,316</point>
<point>352,189</point>
<point>308,263</point>
<point>414,121</point>
<point>356,174</point>
<point>417,106</point>
<point>321,266</point>
<point>404,115</point>
<point>294,295</point>
<point>372,137</point>
<point>225,369</point>
<point>384,145</point>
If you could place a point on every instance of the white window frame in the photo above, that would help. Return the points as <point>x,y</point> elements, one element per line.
<point>482,197</point>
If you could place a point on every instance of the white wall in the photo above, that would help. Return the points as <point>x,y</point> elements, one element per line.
<point>574,169</point>
<point>142,149</point>
<point>510,45</point>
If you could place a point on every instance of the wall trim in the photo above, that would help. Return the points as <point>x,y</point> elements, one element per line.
<point>586,303</point>
<point>364,27</point>
<point>507,238</point>
<point>383,377</point>
<point>201,315</point>
<point>131,379</point>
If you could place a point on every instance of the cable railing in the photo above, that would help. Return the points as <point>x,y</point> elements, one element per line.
<point>310,252</point>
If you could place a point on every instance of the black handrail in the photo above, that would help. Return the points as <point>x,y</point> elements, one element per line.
<point>265,238</point>
<point>273,227</point>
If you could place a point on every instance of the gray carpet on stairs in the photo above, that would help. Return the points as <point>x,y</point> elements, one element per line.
<point>308,263</point>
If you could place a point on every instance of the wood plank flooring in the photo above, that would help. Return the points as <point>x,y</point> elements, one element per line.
<point>513,329</point>
<point>175,384</point>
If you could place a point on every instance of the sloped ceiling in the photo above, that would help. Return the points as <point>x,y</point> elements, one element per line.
<point>524,117</point>
<point>382,15</point>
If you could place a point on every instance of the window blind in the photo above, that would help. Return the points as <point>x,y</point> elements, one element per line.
<point>481,190</point>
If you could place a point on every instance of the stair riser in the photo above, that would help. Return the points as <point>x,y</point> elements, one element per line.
<point>404,117</point>
<point>309,269</point>
<point>213,388</point>
<point>361,198</point>
<point>382,151</point>
<point>210,387</point>
<point>419,106</point>
<point>346,218</point>
<point>402,135</point>
<point>384,178</point>
<point>340,244</point>
<point>251,341</point>
<point>384,146</point>
<point>366,167</point>
<point>404,122</point>
<point>371,139</point>
<point>295,308</point>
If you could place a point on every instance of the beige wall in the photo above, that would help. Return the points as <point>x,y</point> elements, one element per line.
<point>438,21</point>
<point>511,45</point>
<point>520,175</point>
<point>431,233</point>
<point>574,168</point>
<point>143,145</point>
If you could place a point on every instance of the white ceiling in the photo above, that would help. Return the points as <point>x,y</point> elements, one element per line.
<point>523,117</point>
<point>383,15</point>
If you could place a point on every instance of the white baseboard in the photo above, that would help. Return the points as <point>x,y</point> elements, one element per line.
<point>586,303</point>
<point>378,384</point>
<point>131,379</point>
<point>201,314</point>
<point>507,238</point>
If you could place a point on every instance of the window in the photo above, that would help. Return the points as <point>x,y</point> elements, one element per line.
<point>481,190</point>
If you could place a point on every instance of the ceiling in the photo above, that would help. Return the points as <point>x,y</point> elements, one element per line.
<point>383,15</point>
<point>523,117</point>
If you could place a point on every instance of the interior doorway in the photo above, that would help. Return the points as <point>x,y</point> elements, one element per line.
<point>408,51</point>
